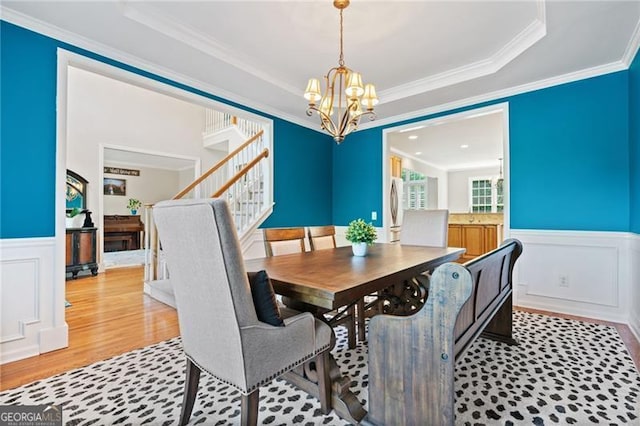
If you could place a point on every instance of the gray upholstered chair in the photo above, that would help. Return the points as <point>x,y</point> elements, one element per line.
<point>425,228</point>
<point>220,330</point>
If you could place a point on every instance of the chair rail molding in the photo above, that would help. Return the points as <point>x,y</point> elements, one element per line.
<point>31,310</point>
<point>584,273</point>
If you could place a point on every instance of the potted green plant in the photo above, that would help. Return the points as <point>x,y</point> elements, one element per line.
<point>70,219</point>
<point>361,235</point>
<point>133,205</point>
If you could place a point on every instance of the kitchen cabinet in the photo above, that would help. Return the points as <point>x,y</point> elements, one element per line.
<point>477,239</point>
<point>81,251</point>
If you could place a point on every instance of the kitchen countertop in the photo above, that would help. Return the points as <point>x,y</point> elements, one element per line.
<point>476,218</point>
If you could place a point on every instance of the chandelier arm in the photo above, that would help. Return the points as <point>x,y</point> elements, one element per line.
<point>345,119</point>
<point>327,123</point>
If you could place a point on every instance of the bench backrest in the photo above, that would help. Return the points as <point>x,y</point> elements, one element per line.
<point>491,274</point>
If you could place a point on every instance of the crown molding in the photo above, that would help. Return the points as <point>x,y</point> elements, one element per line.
<point>632,48</point>
<point>73,39</point>
<point>500,94</point>
<point>150,17</point>
<point>89,45</point>
<point>533,33</point>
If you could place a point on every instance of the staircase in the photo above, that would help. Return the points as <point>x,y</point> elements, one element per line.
<point>242,177</point>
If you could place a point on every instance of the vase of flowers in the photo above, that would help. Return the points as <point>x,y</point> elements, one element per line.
<point>133,205</point>
<point>361,235</point>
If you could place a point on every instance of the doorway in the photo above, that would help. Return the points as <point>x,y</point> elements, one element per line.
<point>148,176</point>
<point>447,153</point>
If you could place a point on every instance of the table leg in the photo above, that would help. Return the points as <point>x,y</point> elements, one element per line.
<point>406,297</point>
<point>343,401</point>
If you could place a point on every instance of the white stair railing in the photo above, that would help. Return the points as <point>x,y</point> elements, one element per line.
<point>216,121</point>
<point>242,178</point>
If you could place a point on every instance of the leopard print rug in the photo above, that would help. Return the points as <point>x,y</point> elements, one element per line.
<point>563,372</point>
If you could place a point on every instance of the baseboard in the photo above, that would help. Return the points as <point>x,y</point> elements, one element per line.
<point>580,273</point>
<point>54,338</point>
<point>17,354</point>
<point>160,290</point>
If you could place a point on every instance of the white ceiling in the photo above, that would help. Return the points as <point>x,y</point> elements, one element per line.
<point>119,157</point>
<point>467,143</point>
<point>422,55</point>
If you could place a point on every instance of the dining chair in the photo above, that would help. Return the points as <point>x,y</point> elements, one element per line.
<point>428,228</point>
<point>279,241</point>
<point>324,237</point>
<point>425,228</point>
<point>219,326</point>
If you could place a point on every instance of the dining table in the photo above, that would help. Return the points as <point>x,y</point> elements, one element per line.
<point>324,280</point>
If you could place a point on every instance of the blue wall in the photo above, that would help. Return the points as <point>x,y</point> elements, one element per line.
<point>569,164</point>
<point>634,120</point>
<point>28,133</point>
<point>28,143</point>
<point>302,177</point>
<point>357,177</point>
<point>569,152</point>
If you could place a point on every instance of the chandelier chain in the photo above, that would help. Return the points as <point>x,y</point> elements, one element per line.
<point>341,60</point>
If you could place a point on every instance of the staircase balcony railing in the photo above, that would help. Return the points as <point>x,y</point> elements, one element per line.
<point>216,121</point>
<point>242,178</point>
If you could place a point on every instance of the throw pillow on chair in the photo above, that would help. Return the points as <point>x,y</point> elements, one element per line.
<point>264,298</point>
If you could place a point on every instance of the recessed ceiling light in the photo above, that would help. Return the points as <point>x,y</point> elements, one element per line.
<point>464,146</point>
<point>419,153</point>
<point>413,137</point>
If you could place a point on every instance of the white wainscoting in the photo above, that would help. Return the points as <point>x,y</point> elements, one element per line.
<point>31,310</point>
<point>634,314</point>
<point>578,273</point>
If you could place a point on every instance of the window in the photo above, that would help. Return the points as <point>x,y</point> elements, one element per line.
<point>415,194</point>
<point>486,195</point>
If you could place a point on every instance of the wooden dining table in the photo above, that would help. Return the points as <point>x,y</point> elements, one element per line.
<point>333,278</point>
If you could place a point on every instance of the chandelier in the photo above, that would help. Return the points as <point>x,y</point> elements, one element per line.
<point>344,94</point>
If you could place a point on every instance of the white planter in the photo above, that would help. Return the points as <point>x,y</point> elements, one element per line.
<point>359,249</point>
<point>74,222</point>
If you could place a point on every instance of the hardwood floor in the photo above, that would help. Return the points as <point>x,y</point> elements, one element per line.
<point>110,315</point>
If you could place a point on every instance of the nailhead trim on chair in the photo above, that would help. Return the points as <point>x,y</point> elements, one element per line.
<point>264,381</point>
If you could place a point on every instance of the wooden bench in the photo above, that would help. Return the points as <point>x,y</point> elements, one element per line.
<point>412,359</point>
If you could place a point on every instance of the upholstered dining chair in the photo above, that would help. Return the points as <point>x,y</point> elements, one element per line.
<point>425,228</point>
<point>324,237</point>
<point>219,326</point>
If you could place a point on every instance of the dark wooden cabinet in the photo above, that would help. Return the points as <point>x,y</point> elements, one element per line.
<point>81,251</point>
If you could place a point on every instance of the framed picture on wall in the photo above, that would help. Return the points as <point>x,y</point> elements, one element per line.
<point>115,186</point>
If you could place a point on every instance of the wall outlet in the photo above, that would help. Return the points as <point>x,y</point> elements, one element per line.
<point>563,281</point>
<point>374,215</point>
